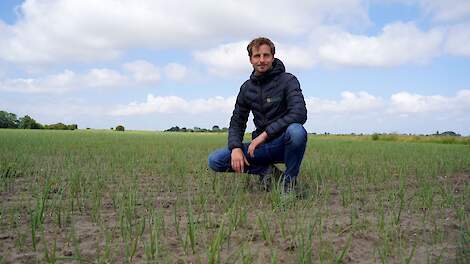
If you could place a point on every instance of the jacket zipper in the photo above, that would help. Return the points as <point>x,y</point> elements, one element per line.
<point>262,107</point>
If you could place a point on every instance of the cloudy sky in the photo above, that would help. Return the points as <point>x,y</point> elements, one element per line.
<point>364,66</point>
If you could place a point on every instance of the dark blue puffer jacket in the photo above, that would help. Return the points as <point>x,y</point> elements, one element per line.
<point>276,100</point>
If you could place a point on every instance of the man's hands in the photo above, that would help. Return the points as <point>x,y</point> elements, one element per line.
<point>257,141</point>
<point>238,160</point>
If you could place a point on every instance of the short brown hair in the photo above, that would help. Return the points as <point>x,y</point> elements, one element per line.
<point>258,42</point>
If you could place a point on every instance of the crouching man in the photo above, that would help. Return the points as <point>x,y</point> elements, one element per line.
<point>278,106</point>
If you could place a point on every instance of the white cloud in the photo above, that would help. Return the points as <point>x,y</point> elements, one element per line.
<point>68,30</point>
<point>58,83</point>
<point>104,78</point>
<point>176,71</point>
<point>447,10</point>
<point>295,57</point>
<point>458,40</point>
<point>54,109</point>
<point>100,30</point>
<point>405,102</point>
<point>353,103</point>
<point>402,112</point>
<point>463,98</point>
<point>135,74</point>
<point>226,59</point>
<point>349,103</point>
<point>175,104</point>
<point>398,43</point>
<point>66,81</point>
<point>143,71</point>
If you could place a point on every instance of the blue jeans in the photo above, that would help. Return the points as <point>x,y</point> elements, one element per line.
<point>288,148</point>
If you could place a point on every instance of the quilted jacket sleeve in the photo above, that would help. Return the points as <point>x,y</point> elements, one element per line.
<point>238,122</point>
<point>296,109</point>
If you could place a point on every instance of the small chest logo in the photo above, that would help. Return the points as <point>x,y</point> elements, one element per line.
<point>273,99</point>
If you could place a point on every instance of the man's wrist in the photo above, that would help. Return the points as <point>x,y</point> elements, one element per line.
<point>236,149</point>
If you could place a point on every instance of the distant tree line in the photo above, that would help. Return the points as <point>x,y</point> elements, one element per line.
<point>196,129</point>
<point>377,136</point>
<point>447,133</point>
<point>10,120</point>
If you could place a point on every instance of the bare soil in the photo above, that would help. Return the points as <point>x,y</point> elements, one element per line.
<point>244,244</point>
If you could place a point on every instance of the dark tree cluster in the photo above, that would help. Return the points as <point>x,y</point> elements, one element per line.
<point>196,129</point>
<point>447,133</point>
<point>10,120</point>
<point>60,126</point>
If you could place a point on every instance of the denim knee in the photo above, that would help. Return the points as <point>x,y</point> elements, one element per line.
<point>212,162</point>
<point>215,161</point>
<point>296,134</point>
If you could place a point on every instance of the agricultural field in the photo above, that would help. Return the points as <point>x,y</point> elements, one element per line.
<point>148,197</point>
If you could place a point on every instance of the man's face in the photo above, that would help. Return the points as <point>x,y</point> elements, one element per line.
<point>261,59</point>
